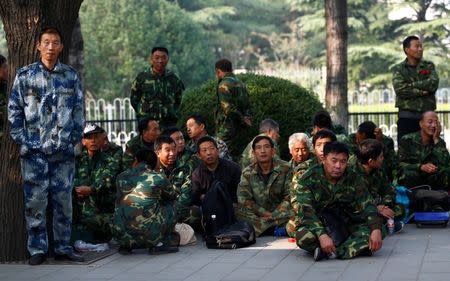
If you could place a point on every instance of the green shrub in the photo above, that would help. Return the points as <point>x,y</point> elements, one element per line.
<point>287,103</point>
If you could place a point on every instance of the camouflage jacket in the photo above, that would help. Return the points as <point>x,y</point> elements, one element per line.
<point>133,146</point>
<point>188,158</point>
<point>99,173</point>
<point>157,97</point>
<point>298,172</point>
<point>257,196</point>
<point>3,105</point>
<point>221,145</point>
<point>390,162</point>
<point>381,190</point>
<point>115,154</point>
<point>46,109</point>
<point>315,193</point>
<point>247,157</point>
<point>412,154</point>
<point>232,105</point>
<point>415,88</point>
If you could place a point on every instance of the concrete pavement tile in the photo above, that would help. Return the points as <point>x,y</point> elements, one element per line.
<point>434,277</point>
<point>247,274</point>
<point>320,275</point>
<point>438,267</point>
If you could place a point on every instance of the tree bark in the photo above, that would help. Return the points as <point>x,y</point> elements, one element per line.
<point>336,44</point>
<point>23,20</point>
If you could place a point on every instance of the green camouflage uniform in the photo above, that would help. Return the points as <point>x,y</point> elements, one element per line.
<point>297,171</point>
<point>191,145</point>
<point>3,106</point>
<point>247,157</point>
<point>350,195</point>
<point>232,106</point>
<point>180,178</point>
<point>115,154</point>
<point>92,215</point>
<point>157,97</point>
<point>410,83</point>
<point>390,157</point>
<point>188,158</point>
<point>256,196</point>
<point>412,154</point>
<point>133,146</point>
<point>145,212</point>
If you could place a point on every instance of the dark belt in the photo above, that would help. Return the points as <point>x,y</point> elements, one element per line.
<point>409,114</point>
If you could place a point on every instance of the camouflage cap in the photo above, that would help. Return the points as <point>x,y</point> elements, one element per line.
<point>92,129</point>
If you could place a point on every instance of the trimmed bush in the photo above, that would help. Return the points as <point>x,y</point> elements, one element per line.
<point>287,103</point>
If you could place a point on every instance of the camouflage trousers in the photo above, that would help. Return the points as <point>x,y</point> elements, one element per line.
<point>93,229</point>
<point>192,216</point>
<point>144,232</point>
<point>437,181</point>
<point>261,224</point>
<point>48,177</point>
<point>230,136</point>
<point>292,226</point>
<point>357,242</point>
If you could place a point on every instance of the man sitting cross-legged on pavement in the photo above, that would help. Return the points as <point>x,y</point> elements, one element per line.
<point>145,213</point>
<point>423,156</point>
<point>94,189</point>
<point>331,191</point>
<point>263,193</point>
<point>369,166</point>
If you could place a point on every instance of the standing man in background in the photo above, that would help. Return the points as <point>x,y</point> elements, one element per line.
<point>46,116</point>
<point>415,83</point>
<point>156,92</point>
<point>233,106</point>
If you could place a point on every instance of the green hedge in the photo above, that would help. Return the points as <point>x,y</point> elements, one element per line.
<point>287,103</point>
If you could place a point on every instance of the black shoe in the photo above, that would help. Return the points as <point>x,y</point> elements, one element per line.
<point>125,250</point>
<point>163,249</point>
<point>70,257</point>
<point>319,254</point>
<point>37,259</point>
<point>366,252</point>
<point>398,226</point>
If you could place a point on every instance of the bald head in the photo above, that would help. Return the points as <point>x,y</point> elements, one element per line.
<point>429,123</point>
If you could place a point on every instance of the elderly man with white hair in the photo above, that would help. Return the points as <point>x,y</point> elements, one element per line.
<point>299,147</point>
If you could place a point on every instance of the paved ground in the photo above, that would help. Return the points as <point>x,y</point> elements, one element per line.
<point>415,254</point>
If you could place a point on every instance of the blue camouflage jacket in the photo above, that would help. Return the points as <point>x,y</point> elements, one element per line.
<point>45,109</point>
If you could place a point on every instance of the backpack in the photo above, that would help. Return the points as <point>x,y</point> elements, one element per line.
<point>238,235</point>
<point>217,209</point>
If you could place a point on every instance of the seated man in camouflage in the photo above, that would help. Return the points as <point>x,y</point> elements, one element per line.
<point>145,213</point>
<point>423,156</point>
<point>148,132</point>
<point>94,189</point>
<point>114,151</point>
<point>267,127</point>
<point>322,120</point>
<point>299,148</point>
<point>184,155</point>
<point>368,167</point>
<point>368,130</point>
<point>263,193</point>
<point>332,188</point>
<point>179,176</point>
<point>196,129</point>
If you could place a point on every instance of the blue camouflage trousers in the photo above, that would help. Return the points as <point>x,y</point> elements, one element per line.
<point>48,176</point>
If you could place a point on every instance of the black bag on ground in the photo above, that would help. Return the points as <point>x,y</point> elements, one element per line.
<point>238,235</point>
<point>217,209</point>
<point>424,199</point>
<point>335,224</point>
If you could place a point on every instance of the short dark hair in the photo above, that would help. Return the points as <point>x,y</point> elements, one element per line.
<point>161,49</point>
<point>170,130</point>
<point>2,60</point>
<point>162,140</point>
<point>322,119</point>
<point>262,137</point>
<point>335,147</point>
<point>368,129</point>
<point>324,133</point>
<point>143,124</point>
<point>368,149</point>
<point>198,118</point>
<point>148,156</point>
<point>268,124</point>
<point>224,65</point>
<point>50,30</point>
<point>407,41</point>
<point>206,139</point>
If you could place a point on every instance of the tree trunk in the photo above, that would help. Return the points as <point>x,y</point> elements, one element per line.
<point>22,21</point>
<point>76,57</point>
<point>336,42</point>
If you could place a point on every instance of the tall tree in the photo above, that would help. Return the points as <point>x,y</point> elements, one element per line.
<point>22,21</point>
<point>336,42</point>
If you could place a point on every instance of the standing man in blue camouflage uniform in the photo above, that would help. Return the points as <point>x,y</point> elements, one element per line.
<point>46,116</point>
<point>415,83</point>
<point>233,107</point>
<point>156,92</point>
